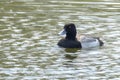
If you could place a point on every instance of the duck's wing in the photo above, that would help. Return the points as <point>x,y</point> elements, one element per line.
<point>88,41</point>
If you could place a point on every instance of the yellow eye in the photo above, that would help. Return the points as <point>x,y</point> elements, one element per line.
<point>69,26</point>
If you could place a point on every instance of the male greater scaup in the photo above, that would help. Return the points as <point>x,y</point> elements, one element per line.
<point>70,41</point>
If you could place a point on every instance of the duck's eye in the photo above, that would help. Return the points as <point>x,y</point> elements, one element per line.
<point>69,26</point>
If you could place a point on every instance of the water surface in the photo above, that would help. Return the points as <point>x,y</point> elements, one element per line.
<point>29,34</point>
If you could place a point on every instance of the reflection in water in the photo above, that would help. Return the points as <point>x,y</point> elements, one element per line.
<point>28,40</point>
<point>71,56</point>
<point>69,50</point>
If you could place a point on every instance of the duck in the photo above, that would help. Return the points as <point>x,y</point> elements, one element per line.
<point>71,40</point>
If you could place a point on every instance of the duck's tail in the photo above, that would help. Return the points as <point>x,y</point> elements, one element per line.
<point>101,42</point>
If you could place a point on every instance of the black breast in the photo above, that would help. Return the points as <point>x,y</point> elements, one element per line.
<point>69,43</point>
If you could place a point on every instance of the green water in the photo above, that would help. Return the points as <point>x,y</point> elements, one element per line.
<point>29,34</point>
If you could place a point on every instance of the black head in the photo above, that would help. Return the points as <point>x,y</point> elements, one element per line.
<point>70,31</point>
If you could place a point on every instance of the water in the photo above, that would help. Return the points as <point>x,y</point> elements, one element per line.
<point>29,34</point>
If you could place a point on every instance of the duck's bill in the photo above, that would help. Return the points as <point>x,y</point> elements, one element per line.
<point>62,33</point>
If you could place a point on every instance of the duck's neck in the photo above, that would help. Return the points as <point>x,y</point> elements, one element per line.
<point>71,36</point>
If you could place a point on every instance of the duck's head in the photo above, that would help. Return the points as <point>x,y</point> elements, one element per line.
<point>70,31</point>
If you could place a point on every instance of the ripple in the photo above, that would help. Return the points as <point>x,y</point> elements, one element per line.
<point>28,38</point>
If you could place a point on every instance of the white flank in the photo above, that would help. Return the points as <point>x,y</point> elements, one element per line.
<point>88,42</point>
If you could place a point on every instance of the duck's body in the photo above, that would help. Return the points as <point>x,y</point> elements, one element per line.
<point>88,42</point>
<point>70,41</point>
